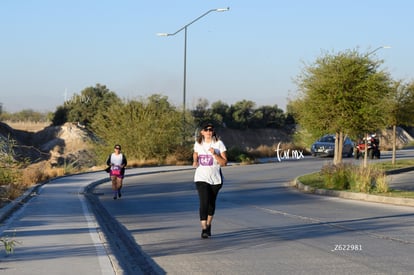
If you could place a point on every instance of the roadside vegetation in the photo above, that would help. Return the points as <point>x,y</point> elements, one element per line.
<point>16,176</point>
<point>349,94</point>
<point>353,178</point>
<point>8,244</point>
<point>161,133</point>
<point>151,130</point>
<point>345,93</point>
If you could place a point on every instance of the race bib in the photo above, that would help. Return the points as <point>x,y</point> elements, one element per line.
<point>205,160</point>
<point>116,171</point>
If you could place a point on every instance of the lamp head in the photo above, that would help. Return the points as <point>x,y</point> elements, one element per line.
<point>223,9</point>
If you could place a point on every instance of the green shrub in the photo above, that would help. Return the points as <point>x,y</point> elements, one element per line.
<point>8,244</point>
<point>7,176</point>
<point>336,176</point>
<point>354,178</point>
<point>234,153</point>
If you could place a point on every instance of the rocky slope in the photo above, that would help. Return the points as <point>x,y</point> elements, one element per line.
<point>54,144</point>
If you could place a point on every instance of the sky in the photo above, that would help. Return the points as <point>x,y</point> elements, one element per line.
<point>51,50</point>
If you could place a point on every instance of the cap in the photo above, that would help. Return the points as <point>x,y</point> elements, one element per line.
<point>207,124</point>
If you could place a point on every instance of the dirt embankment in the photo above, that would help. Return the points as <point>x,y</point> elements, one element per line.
<point>54,144</point>
<point>53,151</point>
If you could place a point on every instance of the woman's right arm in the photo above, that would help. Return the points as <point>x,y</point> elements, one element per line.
<point>195,159</point>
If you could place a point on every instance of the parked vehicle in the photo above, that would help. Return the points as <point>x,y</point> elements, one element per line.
<point>325,146</point>
<point>373,149</point>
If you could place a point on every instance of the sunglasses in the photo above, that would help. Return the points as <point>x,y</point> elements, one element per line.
<point>208,129</point>
<point>117,148</point>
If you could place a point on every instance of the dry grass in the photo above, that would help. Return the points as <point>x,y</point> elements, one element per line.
<point>41,172</point>
<point>24,178</point>
<point>169,160</point>
<point>29,126</point>
<point>28,177</point>
<point>265,151</point>
<point>381,184</point>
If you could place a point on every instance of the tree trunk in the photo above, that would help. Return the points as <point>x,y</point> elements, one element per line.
<point>339,141</point>
<point>394,144</point>
<point>335,159</point>
<point>366,151</point>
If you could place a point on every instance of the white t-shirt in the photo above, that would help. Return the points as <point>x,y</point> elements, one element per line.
<point>116,159</point>
<point>208,169</point>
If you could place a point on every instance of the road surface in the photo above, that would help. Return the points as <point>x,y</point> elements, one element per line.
<point>261,226</point>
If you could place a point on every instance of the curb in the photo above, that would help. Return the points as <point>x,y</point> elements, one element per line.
<point>125,254</point>
<point>399,170</point>
<point>7,210</point>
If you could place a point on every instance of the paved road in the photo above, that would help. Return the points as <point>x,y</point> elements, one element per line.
<point>57,230</point>
<point>403,181</point>
<point>262,226</point>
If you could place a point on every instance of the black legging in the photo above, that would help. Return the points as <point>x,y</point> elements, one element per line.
<point>207,194</point>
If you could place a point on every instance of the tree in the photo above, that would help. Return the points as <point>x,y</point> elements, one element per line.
<point>201,112</point>
<point>343,94</point>
<point>220,113</point>
<point>242,113</point>
<point>401,109</point>
<point>83,107</point>
<point>268,117</point>
<point>147,128</point>
<point>60,116</point>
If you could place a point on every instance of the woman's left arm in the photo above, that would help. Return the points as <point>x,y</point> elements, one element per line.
<point>221,158</point>
<point>124,161</point>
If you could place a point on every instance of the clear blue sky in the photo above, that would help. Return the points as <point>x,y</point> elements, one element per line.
<point>51,49</point>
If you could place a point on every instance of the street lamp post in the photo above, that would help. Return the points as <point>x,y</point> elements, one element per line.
<point>366,135</point>
<point>379,48</point>
<point>185,52</point>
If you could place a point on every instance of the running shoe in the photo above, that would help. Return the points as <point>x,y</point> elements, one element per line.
<point>204,234</point>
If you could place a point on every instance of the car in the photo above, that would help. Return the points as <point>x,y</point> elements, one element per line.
<point>325,146</point>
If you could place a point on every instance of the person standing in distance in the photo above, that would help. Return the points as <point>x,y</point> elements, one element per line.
<point>117,161</point>
<point>208,157</point>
